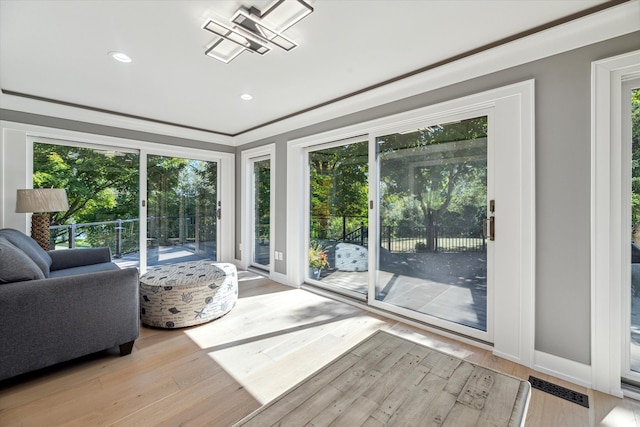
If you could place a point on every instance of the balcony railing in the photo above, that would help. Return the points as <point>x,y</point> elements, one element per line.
<point>398,238</point>
<point>122,235</point>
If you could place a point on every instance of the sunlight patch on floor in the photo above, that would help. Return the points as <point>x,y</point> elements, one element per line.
<point>288,339</point>
<point>619,417</point>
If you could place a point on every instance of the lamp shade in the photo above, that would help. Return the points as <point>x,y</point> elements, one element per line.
<point>42,200</point>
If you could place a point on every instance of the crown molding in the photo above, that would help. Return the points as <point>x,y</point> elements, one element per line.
<point>612,22</point>
<point>62,110</point>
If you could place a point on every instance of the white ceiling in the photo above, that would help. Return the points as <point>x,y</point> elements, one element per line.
<point>58,50</point>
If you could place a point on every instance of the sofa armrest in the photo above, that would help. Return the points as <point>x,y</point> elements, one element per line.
<point>43,322</point>
<point>69,258</point>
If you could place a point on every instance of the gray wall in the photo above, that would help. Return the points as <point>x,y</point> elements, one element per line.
<point>563,103</point>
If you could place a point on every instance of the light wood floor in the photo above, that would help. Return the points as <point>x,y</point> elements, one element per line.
<point>217,373</point>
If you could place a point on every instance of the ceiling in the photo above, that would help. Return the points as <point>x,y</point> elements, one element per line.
<point>57,50</point>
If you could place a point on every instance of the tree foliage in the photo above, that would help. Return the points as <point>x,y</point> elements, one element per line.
<point>182,197</point>
<point>262,207</point>
<point>339,189</point>
<point>435,178</point>
<point>635,163</point>
<point>103,185</point>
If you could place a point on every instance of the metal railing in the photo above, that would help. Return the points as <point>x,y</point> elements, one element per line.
<point>397,238</point>
<point>109,233</point>
<point>420,239</point>
<point>122,235</point>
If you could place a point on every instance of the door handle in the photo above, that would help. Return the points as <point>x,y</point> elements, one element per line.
<point>490,226</point>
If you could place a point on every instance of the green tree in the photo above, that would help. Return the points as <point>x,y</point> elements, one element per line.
<point>164,196</point>
<point>101,185</point>
<point>339,189</point>
<point>262,207</point>
<point>440,169</point>
<point>635,164</point>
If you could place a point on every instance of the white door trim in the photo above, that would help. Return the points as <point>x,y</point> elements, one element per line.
<point>606,219</point>
<point>514,324</point>
<point>246,245</point>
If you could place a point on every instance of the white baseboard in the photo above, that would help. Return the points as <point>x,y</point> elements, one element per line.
<point>508,357</point>
<point>282,279</point>
<point>568,370</point>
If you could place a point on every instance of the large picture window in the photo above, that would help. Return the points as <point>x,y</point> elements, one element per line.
<point>102,186</point>
<point>181,205</point>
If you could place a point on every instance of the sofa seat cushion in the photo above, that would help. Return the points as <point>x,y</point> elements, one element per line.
<point>84,269</point>
<point>15,265</point>
<point>30,247</point>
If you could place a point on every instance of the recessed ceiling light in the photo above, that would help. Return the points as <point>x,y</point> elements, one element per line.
<point>246,96</point>
<point>119,56</point>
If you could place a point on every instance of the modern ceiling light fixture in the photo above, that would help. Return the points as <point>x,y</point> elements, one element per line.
<point>255,31</point>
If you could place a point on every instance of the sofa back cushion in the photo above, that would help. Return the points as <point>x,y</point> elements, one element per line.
<point>30,247</point>
<point>15,265</point>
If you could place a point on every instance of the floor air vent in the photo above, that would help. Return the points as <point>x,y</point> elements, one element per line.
<point>559,391</point>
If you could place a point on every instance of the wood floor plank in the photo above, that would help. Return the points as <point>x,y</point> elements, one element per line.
<point>55,409</point>
<point>459,378</point>
<point>387,383</point>
<point>410,410</point>
<point>399,394</point>
<point>308,410</point>
<point>301,396</point>
<point>437,411</point>
<point>441,364</point>
<point>356,414</point>
<point>500,401</point>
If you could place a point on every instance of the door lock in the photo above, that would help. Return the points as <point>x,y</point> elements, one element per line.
<point>489,224</point>
<point>489,228</point>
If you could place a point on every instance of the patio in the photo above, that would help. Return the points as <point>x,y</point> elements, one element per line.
<point>161,256</point>
<point>450,286</point>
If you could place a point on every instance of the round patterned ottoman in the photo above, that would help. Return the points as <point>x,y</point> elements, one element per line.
<point>187,293</point>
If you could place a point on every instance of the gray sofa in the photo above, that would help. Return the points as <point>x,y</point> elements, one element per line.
<point>59,305</point>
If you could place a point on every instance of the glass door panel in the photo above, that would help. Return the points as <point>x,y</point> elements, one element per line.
<point>261,213</point>
<point>338,228</point>
<point>432,252</point>
<point>631,122</point>
<point>182,206</point>
<point>102,190</point>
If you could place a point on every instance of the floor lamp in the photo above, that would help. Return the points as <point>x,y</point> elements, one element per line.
<point>43,201</point>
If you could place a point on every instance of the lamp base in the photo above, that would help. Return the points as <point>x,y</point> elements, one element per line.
<point>40,229</point>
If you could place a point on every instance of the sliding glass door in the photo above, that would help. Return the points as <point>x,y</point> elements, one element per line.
<point>426,214</point>
<point>182,209</point>
<point>631,145</point>
<point>338,217</point>
<point>432,204</point>
<point>261,213</point>
<point>133,201</point>
<point>415,237</point>
<point>102,190</point>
